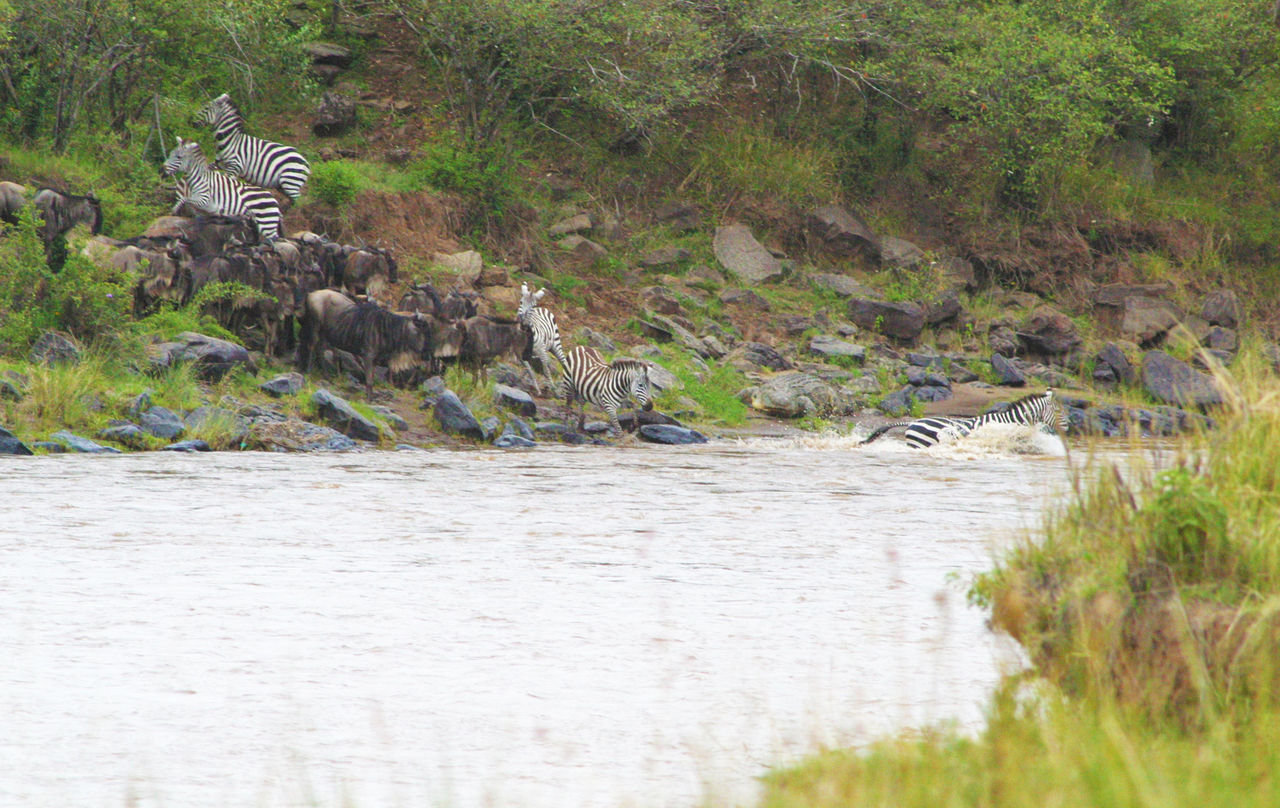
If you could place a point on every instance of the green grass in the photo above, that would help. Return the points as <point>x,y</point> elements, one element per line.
<point>714,389</point>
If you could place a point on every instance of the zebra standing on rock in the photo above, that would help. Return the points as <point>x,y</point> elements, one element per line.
<point>1034,410</point>
<point>259,162</point>
<point>608,385</point>
<point>546,334</point>
<point>211,191</point>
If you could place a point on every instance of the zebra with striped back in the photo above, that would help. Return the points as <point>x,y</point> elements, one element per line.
<point>211,191</point>
<point>546,334</point>
<point>1037,410</point>
<point>259,162</point>
<point>608,385</point>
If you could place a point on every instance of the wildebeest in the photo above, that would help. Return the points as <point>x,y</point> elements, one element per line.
<point>368,271</point>
<point>63,211</point>
<point>487,338</point>
<point>372,333</point>
<point>12,197</point>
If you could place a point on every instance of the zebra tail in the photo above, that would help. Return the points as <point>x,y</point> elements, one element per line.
<point>882,430</point>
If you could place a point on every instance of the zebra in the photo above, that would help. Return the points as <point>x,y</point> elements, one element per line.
<point>1033,410</point>
<point>259,162</point>
<point>211,191</point>
<point>607,385</point>
<point>546,334</point>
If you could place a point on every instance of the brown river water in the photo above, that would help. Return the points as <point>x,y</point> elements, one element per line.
<point>641,626</point>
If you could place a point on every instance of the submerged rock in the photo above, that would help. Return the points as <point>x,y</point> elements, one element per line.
<point>670,435</point>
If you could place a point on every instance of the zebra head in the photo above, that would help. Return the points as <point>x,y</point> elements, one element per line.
<point>216,111</point>
<point>528,301</point>
<point>637,377</point>
<point>1053,414</point>
<point>185,156</point>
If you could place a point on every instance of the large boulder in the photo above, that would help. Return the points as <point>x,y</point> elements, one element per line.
<point>514,399</point>
<point>293,435</point>
<point>1173,381</point>
<point>791,395</point>
<point>840,231</point>
<point>830,347</point>
<point>897,252</point>
<point>340,415</point>
<point>328,53</point>
<point>286,384</point>
<point>213,357</point>
<point>162,422</point>
<point>1007,373</point>
<point>670,435</point>
<point>1221,307</point>
<point>1147,319</point>
<point>1113,359</point>
<point>755,355</point>
<point>1048,333</point>
<point>54,348</point>
<point>903,321</point>
<point>738,251</point>
<point>456,417</point>
<point>76,443</point>
<point>10,445</point>
<point>335,116</point>
<point>842,285</point>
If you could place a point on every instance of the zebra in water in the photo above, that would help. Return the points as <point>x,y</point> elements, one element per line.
<point>1034,410</point>
<point>608,385</point>
<point>211,191</point>
<point>546,334</point>
<point>259,162</point>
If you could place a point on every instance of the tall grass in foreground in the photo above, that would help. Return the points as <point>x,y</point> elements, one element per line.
<point>1149,608</point>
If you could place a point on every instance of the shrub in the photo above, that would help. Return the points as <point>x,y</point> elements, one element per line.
<point>335,183</point>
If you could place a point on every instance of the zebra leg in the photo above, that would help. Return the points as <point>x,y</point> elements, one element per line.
<point>537,388</point>
<point>615,428</point>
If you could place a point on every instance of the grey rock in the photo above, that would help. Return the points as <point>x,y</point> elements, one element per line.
<point>897,252</point>
<point>335,116</point>
<point>162,422</point>
<point>80,444</point>
<point>832,348</point>
<point>328,53</point>
<point>1112,357</point>
<point>925,360</point>
<point>53,348</point>
<point>130,435</point>
<point>340,415</point>
<point>1175,382</point>
<point>662,379</point>
<point>738,251</point>
<point>745,298</point>
<point>959,272</point>
<point>1222,307</point>
<point>665,257</point>
<point>584,251</point>
<point>1003,340</point>
<point>193,445</point>
<point>750,355</point>
<point>489,427</point>
<point>10,391</point>
<point>579,223</point>
<point>519,429</point>
<point>670,435</point>
<point>286,384</point>
<point>795,394</point>
<point>842,285</point>
<point>293,435</point>
<point>1007,372</point>
<point>659,299</point>
<point>898,402</point>
<point>392,418</point>
<point>841,231</point>
<point>1146,319</point>
<point>930,393</point>
<point>1115,294</point>
<point>1222,339</point>
<point>943,308</point>
<point>508,441</point>
<point>455,417</point>
<point>140,404</point>
<point>1048,332</point>
<point>597,340</point>
<point>903,321</point>
<point>10,445</point>
<point>514,399</point>
<point>49,447</point>
<point>219,420</point>
<point>213,357</point>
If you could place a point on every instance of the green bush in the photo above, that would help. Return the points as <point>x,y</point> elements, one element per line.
<point>336,183</point>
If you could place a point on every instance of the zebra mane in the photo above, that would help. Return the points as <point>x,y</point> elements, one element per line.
<point>1048,393</point>
<point>627,363</point>
<point>224,101</point>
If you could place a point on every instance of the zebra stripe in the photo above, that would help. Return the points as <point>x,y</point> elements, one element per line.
<point>1034,410</point>
<point>546,334</point>
<point>607,385</point>
<point>259,162</point>
<point>214,192</point>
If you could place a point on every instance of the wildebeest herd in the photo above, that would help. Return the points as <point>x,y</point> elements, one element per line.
<point>274,287</point>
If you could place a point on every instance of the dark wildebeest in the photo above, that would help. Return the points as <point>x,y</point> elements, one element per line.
<point>487,338</point>
<point>12,197</point>
<point>368,271</point>
<point>62,211</point>
<point>372,333</point>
